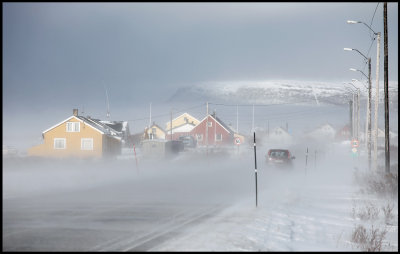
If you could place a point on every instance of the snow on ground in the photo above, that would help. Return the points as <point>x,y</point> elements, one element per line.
<point>297,211</point>
<point>311,208</point>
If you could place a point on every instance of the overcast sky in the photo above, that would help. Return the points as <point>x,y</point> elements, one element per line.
<point>63,54</point>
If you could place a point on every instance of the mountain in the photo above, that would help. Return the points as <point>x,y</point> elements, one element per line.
<point>277,92</point>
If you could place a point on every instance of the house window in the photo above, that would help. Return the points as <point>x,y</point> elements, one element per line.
<point>218,137</point>
<point>86,144</point>
<point>153,130</point>
<point>73,126</point>
<point>199,137</point>
<point>60,143</point>
<point>209,124</point>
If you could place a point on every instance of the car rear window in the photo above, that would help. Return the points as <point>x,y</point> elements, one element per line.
<point>278,153</point>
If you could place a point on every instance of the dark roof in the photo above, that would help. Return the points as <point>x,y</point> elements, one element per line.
<point>223,124</point>
<point>95,123</point>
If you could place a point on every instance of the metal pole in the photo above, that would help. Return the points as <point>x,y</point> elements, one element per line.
<point>255,164</point>
<point>368,133</point>
<point>306,160</point>
<point>376,103</point>
<point>207,132</point>
<point>315,160</point>
<point>252,125</point>
<point>351,119</point>
<point>237,119</point>
<point>171,124</point>
<point>358,113</point>
<point>150,116</point>
<point>353,106</point>
<point>386,89</point>
<point>134,151</point>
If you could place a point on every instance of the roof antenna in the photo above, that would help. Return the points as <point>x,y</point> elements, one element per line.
<point>108,104</point>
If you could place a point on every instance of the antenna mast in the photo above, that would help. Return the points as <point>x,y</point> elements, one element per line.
<point>108,104</point>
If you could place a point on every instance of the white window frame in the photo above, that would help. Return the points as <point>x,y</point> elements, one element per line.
<point>216,135</point>
<point>60,139</point>
<point>73,126</point>
<point>87,139</point>
<point>210,124</point>
<point>199,137</point>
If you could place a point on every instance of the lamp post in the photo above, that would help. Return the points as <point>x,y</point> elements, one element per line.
<point>368,60</point>
<point>378,34</point>
<point>368,123</point>
<point>352,112</point>
<point>356,110</point>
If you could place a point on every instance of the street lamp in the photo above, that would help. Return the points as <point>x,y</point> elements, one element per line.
<point>355,109</point>
<point>368,117</point>
<point>378,34</point>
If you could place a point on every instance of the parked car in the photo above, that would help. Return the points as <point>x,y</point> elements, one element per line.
<point>279,158</point>
<point>188,141</point>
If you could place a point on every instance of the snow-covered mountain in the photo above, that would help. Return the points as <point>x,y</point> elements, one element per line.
<point>276,92</point>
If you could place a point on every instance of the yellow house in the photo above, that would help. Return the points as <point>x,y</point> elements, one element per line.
<point>78,136</point>
<point>182,123</point>
<point>155,132</point>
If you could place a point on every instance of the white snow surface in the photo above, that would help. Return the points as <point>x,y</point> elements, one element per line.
<point>308,209</point>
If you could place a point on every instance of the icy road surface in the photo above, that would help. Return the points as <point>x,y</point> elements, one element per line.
<point>187,204</point>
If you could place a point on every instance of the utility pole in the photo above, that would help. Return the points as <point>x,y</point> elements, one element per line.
<point>358,114</point>
<point>150,116</point>
<point>237,119</point>
<point>368,132</point>
<point>376,103</point>
<point>252,123</point>
<point>255,166</point>
<point>351,118</point>
<point>386,89</point>
<point>171,124</point>
<point>207,131</point>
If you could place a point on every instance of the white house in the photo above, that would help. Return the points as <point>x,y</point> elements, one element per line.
<point>279,136</point>
<point>323,133</point>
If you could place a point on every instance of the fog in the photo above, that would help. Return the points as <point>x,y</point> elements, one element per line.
<point>122,200</point>
<point>64,56</point>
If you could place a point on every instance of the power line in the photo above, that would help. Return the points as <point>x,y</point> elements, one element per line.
<point>256,105</point>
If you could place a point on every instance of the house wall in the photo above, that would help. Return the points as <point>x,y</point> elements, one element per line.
<point>160,134</point>
<point>227,138</point>
<point>73,142</point>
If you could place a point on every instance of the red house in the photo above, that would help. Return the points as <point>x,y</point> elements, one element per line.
<point>218,132</point>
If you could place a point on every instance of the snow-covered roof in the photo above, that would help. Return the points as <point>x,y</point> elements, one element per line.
<point>93,123</point>
<point>183,128</point>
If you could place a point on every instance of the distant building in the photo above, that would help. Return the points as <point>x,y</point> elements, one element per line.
<point>155,132</point>
<point>344,134</point>
<point>279,136</point>
<point>324,133</point>
<point>181,126</point>
<point>121,128</point>
<point>218,132</point>
<point>78,136</point>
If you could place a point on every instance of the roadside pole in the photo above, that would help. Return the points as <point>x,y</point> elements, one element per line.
<point>315,160</point>
<point>255,164</point>
<point>134,151</point>
<point>306,161</point>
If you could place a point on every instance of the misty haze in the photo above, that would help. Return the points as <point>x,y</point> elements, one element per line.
<point>199,127</point>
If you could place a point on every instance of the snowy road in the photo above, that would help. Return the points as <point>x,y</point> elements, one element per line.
<point>104,209</point>
<point>181,205</point>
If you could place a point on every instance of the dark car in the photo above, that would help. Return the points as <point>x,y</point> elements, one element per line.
<point>188,141</point>
<point>279,158</point>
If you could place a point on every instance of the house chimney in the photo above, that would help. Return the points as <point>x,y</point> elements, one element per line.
<point>75,112</point>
